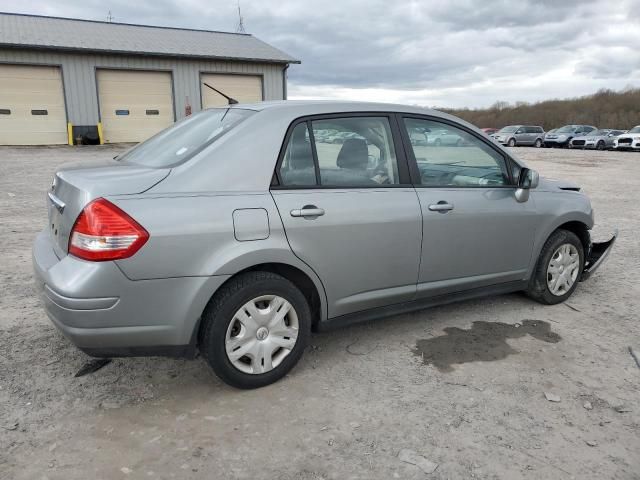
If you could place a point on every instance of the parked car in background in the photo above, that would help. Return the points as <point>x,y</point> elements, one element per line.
<point>490,131</point>
<point>446,137</point>
<point>629,140</point>
<point>599,139</point>
<point>562,136</point>
<point>418,137</point>
<point>517,135</point>
<point>201,239</point>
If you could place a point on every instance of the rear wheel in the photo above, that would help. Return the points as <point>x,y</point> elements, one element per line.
<point>512,142</point>
<point>538,143</point>
<point>600,145</point>
<point>255,329</point>
<point>558,269</point>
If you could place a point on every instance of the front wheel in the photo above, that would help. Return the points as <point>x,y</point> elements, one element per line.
<point>512,142</point>
<point>538,143</point>
<point>558,269</point>
<point>255,329</point>
<point>600,145</point>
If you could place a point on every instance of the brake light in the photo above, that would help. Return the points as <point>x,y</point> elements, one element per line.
<point>104,232</point>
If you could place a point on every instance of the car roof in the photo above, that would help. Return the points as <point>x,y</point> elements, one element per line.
<point>293,109</point>
<point>311,107</point>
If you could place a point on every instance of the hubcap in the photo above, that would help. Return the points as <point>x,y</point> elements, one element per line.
<point>563,269</point>
<point>261,334</point>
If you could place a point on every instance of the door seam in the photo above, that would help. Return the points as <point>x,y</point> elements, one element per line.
<point>286,236</point>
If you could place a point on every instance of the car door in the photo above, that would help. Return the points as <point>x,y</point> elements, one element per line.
<point>474,232</point>
<point>532,135</point>
<point>529,136</point>
<point>350,211</point>
<point>521,136</point>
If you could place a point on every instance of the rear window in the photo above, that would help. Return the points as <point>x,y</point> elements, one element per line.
<point>185,138</point>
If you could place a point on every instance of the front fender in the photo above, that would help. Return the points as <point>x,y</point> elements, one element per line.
<point>555,211</point>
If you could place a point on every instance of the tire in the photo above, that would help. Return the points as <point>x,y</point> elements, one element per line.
<point>511,142</point>
<point>539,288</point>
<point>220,318</point>
<point>600,145</point>
<point>537,143</point>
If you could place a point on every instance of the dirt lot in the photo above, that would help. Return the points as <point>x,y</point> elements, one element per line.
<point>462,385</point>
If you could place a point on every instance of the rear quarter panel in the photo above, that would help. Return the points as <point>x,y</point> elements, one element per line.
<point>193,235</point>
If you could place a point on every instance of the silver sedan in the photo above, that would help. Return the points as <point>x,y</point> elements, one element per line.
<point>236,233</point>
<point>602,139</point>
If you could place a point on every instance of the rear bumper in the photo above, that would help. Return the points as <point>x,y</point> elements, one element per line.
<point>598,253</point>
<point>105,314</point>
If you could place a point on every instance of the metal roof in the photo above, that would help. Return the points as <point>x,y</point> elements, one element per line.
<point>33,31</point>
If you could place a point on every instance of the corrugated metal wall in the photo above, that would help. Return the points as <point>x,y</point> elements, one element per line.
<point>78,71</point>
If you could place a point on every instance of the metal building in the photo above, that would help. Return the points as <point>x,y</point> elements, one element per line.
<point>67,80</point>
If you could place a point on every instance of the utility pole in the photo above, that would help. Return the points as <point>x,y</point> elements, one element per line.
<point>109,17</point>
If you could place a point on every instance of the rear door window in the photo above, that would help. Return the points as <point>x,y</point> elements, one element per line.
<point>361,152</point>
<point>342,152</point>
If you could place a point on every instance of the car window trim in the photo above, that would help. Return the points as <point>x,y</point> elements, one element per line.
<point>413,164</point>
<point>314,152</point>
<point>404,172</point>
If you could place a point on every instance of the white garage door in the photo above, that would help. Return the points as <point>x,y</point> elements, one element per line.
<point>31,106</point>
<point>244,88</point>
<point>134,105</point>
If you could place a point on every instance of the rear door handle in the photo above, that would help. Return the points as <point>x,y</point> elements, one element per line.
<point>307,211</point>
<point>441,206</point>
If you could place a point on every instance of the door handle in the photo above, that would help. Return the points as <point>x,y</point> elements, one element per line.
<point>441,206</point>
<point>307,211</point>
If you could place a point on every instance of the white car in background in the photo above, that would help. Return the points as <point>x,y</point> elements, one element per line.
<point>443,137</point>
<point>629,140</point>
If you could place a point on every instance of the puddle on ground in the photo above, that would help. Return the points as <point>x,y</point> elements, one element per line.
<point>483,342</point>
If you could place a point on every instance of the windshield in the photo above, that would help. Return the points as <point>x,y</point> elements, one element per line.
<point>567,129</point>
<point>509,129</point>
<point>635,130</point>
<point>185,138</point>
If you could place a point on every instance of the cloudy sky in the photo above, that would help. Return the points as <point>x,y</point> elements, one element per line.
<point>452,53</point>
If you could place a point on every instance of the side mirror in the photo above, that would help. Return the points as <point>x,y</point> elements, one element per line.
<point>528,179</point>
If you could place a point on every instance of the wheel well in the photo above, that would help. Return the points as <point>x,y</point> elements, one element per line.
<point>582,232</point>
<point>298,278</point>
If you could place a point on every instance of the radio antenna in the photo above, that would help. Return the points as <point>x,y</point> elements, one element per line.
<point>240,26</point>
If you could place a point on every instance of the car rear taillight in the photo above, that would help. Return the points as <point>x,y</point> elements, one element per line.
<point>104,232</point>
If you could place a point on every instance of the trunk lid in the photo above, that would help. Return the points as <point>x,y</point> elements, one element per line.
<point>74,186</point>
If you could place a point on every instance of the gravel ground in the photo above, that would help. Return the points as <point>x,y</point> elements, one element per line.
<point>462,385</point>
